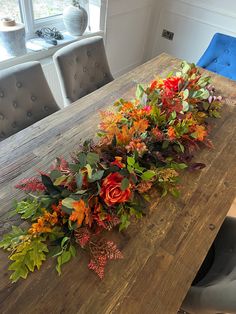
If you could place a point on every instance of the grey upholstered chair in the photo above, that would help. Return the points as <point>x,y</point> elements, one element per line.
<point>82,67</point>
<point>25,98</point>
<point>216,291</point>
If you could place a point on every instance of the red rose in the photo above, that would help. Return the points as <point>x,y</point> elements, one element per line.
<point>111,191</point>
<point>173,83</point>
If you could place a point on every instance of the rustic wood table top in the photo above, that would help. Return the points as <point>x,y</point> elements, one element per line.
<point>162,253</point>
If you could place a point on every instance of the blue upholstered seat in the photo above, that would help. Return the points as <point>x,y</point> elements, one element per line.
<point>220,56</point>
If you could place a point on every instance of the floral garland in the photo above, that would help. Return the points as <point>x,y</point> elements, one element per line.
<point>144,143</point>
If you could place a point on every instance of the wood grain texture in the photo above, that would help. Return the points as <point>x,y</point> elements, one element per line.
<point>162,253</point>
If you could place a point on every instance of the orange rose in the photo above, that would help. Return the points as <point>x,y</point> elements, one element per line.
<point>111,191</point>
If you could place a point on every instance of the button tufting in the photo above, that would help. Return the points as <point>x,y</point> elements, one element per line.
<point>89,53</point>
<point>77,59</point>
<point>33,98</point>
<point>14,104</point>
<point>1,94</point>
<point>84,69</point>
<point>92,79</point>
<point>1,116</point>
<point>29,114</point>
<point>228,64</point>
<point>14,125</point>
<point>46,108</point>
<point>18,84</point>
<point>75,76</point>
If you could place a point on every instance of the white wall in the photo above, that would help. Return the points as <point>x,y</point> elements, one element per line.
<point>193,22</point>
<point>128,26</point>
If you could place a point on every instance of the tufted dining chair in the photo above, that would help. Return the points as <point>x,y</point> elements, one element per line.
<point>220,56</point>
<point>82,67</point>
<point>25,97</point>
<point>215,293</point>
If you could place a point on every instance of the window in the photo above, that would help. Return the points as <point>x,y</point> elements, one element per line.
<point>10,8</point>
<point>47,8</point>
<point>36,14</point>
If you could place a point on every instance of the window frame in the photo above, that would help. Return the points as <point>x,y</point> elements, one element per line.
<point>32,24</point>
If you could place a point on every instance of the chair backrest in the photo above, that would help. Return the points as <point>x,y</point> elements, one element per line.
<point>220,56</point>
<point>25,97</point>
<point>82,67</point>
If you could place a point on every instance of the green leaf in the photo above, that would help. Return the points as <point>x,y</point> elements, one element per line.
<point>82,158</point>
<point>130,161</point>
<point>124,184</point>
<point>64,242</point>
<point>59,180</point>
<point>173,115</point>
<point>74,167</point>
<point>185,67</point>
<point>178,166</point>
<point>185,94</point>
<point>27,256</point>
<point>139,91</point>
<point>62,259</point>
<point>206,106</point>
<point>28,208</point>
<point>72,250</point>
<point>54,174</point>
<point>185,105</point>
<point>92,158</point>
<point>175,192</point>
<point>181,147</point>
<point>37,252</point>
<point>124,222</point>
<point>165,144</point>
<point>11,239</point>
<point>79,180</point>
<point>89,169</point>
<point>68,202</point>
<point>148,175</point>
<point>97,176</point>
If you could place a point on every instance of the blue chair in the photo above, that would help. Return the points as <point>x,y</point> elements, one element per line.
<point>220,56</point>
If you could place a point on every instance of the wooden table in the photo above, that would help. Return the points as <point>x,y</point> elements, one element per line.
<point>162,253</point>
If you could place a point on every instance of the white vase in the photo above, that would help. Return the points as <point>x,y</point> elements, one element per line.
<point>75,20</point>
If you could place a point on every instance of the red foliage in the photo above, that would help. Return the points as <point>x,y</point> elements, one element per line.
<point>82,236</point>
<point>31,185</point>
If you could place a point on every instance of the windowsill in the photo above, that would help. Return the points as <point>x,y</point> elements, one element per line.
<point>47,50</point>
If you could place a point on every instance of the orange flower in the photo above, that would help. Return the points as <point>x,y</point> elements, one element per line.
<point>126,107</point>
<point>140,126</point>
<point>156,84</point>
<point>117,162</point>
<point>171,133</point>
<point>111,191</point>
<point>137,145</point>
<point>200,132</point>
<point>159,136</point>
<point>57,208</point>
<point>80,212</point>
<point>124,135</point>
<point>39,227</point>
